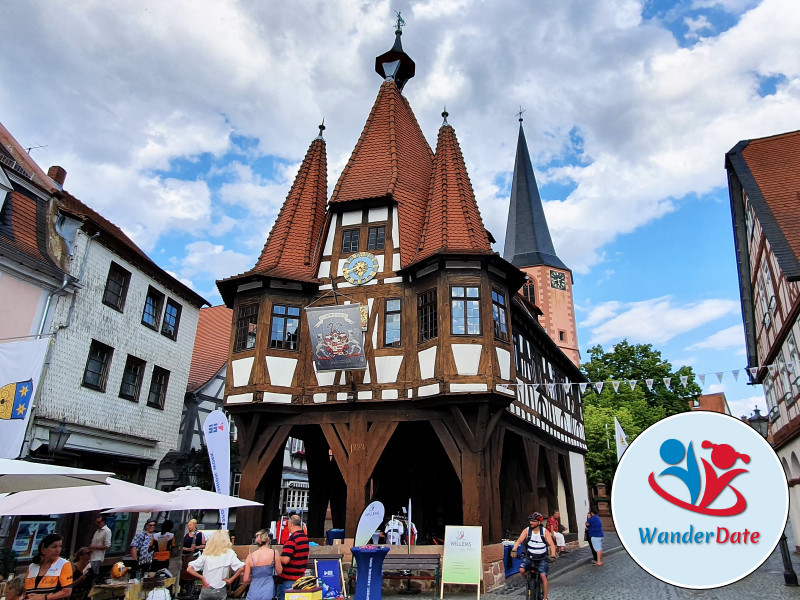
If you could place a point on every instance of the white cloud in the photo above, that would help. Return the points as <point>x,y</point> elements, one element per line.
<point>732,337</point>
<point>657,320</point>
<point>697,25</point>
<point>745,406</point>
<point>213,259</point>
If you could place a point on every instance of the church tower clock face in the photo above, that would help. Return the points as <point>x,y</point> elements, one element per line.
<point>557,280</point>
<point>360,268</point>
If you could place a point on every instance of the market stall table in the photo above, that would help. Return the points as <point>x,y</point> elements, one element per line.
<point>129,591</point>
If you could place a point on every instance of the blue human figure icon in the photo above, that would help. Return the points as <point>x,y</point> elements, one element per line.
<point>672,452</point>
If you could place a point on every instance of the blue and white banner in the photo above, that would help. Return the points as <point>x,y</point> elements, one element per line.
<point>218,444</point>
<point>20,369</point>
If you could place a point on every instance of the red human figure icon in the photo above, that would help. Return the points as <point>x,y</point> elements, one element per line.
<point>723,456</point>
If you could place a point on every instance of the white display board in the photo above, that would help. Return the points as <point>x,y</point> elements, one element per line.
<point>463,556</point>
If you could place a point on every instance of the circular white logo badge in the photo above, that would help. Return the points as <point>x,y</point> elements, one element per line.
<point>699,500</point>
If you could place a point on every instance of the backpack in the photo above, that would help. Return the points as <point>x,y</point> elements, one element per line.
<point>528,539</point>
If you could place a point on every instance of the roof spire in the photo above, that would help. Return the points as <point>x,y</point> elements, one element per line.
<point>321,129</point>
<point>445,114</point>
<point>396,65</point>
<point>520,113</point>
<point>528,242</point>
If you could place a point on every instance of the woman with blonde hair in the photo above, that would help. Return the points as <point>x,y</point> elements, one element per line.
<point>216,564</point>
<point>261,567</point>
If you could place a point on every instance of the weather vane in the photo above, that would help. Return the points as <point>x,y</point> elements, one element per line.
<point>520,113</point>
<point>400,22</point>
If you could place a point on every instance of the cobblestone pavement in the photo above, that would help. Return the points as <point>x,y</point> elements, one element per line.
<point>620,578</point>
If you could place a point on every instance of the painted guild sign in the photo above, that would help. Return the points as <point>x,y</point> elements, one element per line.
<point>337,337</point>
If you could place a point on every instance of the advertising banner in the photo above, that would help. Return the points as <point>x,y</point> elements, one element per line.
<point>20,369</point>
<point>329,572</point>
<point>218,443</point>
<point>369,522</point>
<point>337,337</point>
<point>29,534</point>
<point>462,561</point>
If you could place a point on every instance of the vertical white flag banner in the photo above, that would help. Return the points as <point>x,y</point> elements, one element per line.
<point>621,438</point>
<point>20,370</point>
<point>218,444</point>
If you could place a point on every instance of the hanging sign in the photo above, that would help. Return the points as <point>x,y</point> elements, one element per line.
<point>337,337</point>
<point>368,524</point>
<point>218,444</point>
<point>462,561</point>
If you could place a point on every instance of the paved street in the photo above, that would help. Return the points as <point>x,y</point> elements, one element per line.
<point>620,578</point>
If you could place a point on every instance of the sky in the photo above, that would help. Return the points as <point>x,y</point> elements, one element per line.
<point>184,122</point>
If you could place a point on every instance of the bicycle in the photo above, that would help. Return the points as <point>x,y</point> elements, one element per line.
<point>535,587</point>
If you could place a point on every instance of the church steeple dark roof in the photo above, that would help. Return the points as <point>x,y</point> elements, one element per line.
<point>528,241</point>
<point>395,64</point>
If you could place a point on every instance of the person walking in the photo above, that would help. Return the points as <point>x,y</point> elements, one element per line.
<point>294,556</point>
<point>261,567</point>
<point>101,541</point>
<point>49,576</point>
<point>594,526</point>
<point>214,566</point>
<point>161,545</point>
<point>141,548</point>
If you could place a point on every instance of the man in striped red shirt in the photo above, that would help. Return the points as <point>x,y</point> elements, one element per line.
<point>294,556</point>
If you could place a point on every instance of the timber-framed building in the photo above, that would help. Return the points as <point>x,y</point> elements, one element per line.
<point>467,405</point>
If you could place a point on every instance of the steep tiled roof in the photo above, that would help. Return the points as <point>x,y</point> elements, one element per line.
<point>23,227</point>
<point>32,170</point>
<point>391,159</point>
<point>769,171</point>
<point>452,220</point>
<point>210,345</point>
<point>114,237</point>
<point>290,248</point>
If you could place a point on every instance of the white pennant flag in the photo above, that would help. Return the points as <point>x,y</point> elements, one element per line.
<point>615,385</point>
<point>550,388</point>
<point>719,376</point>
<point>790,366</point>
<point>684,380</point>
<point>649,383</point>
<point>582,386</point>
<point>621,438</point>
<point>667,381</point>
<point>633,383</point>
<point>771,369</point>
<point>702,379</point>
<point>599,386</point>
<point>566,387</point>
<point>753,372</point>
<point>735,374</point>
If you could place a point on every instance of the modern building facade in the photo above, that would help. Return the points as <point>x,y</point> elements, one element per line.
<point>466,405</point>
<point>764,183</point>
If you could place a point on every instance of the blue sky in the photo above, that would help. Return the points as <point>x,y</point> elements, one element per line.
<point>185,122</point>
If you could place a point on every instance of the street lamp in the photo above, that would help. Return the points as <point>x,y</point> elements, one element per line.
<point>58,437</point>
<point>761,424</point>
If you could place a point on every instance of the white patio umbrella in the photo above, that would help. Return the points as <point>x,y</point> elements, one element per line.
<point>78,499</point>
<point>21,475</point>
<point>188,498</point>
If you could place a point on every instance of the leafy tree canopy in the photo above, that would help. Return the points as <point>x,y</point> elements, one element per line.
<point>636,409</point>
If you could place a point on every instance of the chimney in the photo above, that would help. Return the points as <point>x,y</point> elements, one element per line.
<point>57,174</point>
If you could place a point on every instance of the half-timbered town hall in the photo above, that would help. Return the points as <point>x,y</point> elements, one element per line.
<point>464,400</point>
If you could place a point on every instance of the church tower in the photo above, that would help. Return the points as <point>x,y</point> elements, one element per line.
<point>528,246</point>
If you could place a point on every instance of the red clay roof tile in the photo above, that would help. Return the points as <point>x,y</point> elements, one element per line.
<point>26,233</point>
<point>391,158</point>
<point>210,345</point>
<point>290,250</point>
<point>775,165</point>
<point>452,220</point>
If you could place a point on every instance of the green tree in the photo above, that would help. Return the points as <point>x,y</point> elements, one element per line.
<point>636,408</point>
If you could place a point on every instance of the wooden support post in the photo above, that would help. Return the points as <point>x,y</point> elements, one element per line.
<point>356,448</point>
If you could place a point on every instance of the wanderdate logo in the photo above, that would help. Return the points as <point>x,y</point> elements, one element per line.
<point>699,500</point>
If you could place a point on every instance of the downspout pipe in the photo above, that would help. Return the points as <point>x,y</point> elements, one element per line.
<point>47,305</point>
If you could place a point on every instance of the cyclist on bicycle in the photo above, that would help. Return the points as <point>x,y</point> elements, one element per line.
<point>535,541</point>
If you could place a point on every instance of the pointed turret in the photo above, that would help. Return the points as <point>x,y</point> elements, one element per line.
<point>395,65</point>
<point>528,241</point>
<point>290,249</point>
<point>452,220</point>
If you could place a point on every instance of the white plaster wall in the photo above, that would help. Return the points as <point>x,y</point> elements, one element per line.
<point>21,306</point>
<point>278,398</point>
<point>468,387</point>
<point>352,217</point>
<point>467,358</point>
<point>504,361</point>
<point>427,362</point>
<point>387,368</point>
<point>281,370</point>
<point>240,369</point>
<point>580,490</point>
<point>378,214</point>
<point>329,239</point>
<point>324,269</point>
<point>239,398</point>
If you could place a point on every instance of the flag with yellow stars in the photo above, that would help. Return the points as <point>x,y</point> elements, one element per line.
<point>20,369</point>
<point>15,398</point>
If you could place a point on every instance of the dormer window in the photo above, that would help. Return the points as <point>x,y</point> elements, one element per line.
<point>377,237</point>
<point>350,240</point>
